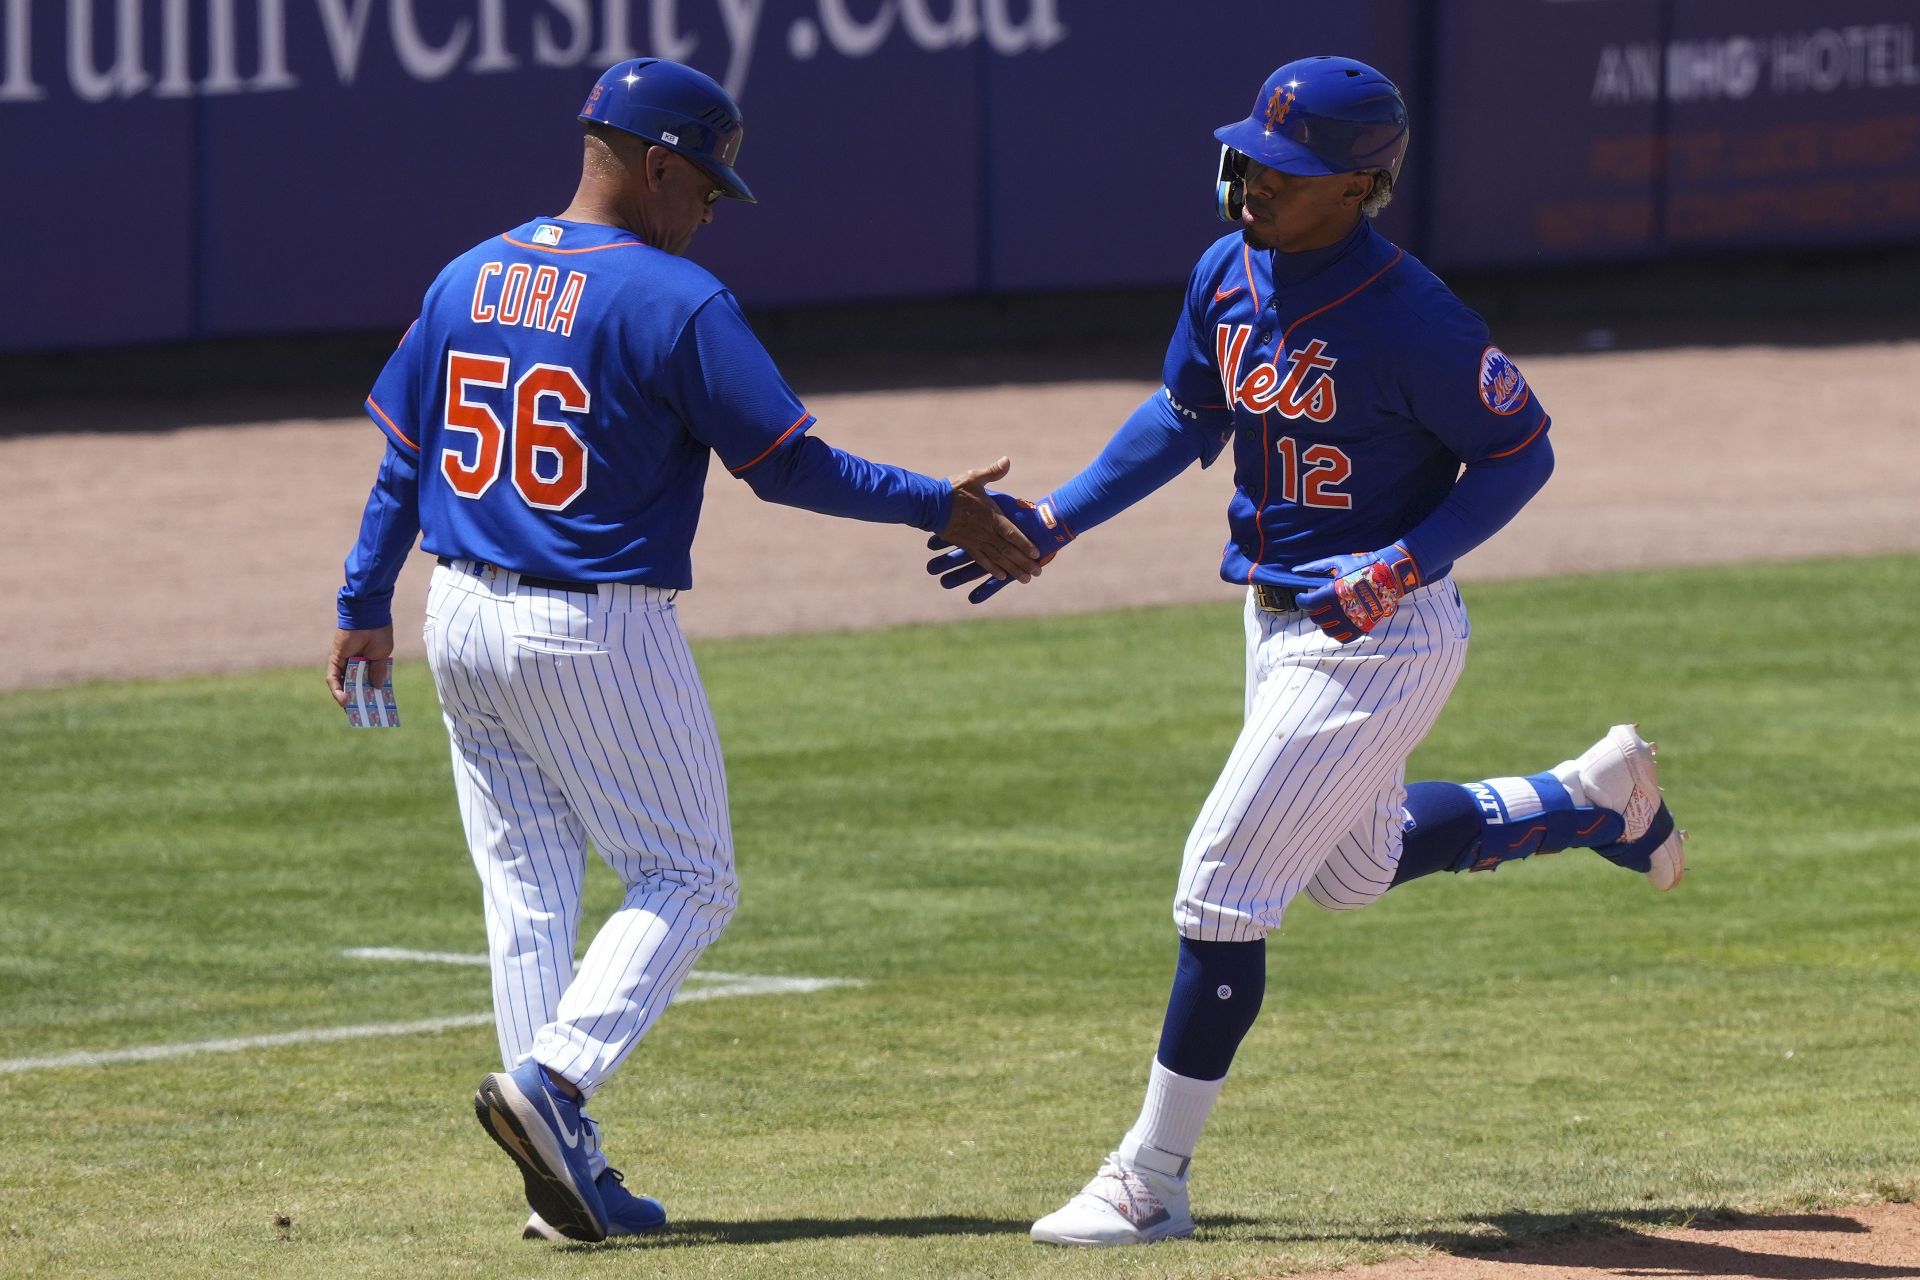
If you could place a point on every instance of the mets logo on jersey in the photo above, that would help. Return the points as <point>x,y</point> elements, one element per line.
<point>1502,389</point>
<point>1305,391</point>
<point>1278,106</point>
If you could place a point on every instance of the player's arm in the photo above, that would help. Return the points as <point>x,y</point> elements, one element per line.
<point>1184,422</point>
<point>1152,446</point>
<point>728,391</point>
<point>388,527</point>
<point>1488,417</point>
<point>1485,499</point>
<point>1176,426</point>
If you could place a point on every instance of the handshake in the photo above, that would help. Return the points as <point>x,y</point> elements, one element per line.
<point>1036,522</point>
<point>994,538</point>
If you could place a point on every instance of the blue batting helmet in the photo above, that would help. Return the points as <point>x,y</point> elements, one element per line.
<point>677,107</point>
<point>1317,116</point>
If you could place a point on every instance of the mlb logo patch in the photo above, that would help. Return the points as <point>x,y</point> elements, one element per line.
<point>1502,389</point>
<point>548,234</point>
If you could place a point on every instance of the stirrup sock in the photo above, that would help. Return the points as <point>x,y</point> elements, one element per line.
<point>1479,825</point>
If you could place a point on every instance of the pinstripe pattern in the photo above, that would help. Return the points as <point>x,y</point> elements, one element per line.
<point>578,718</point>
<point>1310,796</point>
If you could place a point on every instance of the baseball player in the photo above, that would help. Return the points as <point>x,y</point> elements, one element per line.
<point>1354,389</point>
<point>549,420</point>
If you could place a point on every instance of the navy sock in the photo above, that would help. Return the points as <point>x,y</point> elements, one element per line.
<point>1217,989</point>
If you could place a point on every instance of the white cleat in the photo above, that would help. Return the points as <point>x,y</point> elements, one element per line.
<point>1127,1202</point>
<point>1618,773</point>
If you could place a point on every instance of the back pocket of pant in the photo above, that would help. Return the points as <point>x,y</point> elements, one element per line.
<point>559,646</point>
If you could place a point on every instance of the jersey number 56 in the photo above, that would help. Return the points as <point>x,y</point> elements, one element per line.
<point>549,461</point>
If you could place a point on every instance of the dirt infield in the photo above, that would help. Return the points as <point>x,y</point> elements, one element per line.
<point>1842,1244</point>
<point>219,548</point>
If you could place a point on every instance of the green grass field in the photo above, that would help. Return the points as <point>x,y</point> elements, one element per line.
<point>982,822</point>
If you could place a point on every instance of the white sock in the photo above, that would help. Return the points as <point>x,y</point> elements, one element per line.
<point>1174,1113</point>
<point>1568,771</point>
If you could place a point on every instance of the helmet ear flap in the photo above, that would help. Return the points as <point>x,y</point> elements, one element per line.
<point>1230,185</point>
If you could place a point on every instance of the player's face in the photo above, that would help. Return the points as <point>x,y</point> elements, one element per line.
<point>685,204</point>
<point>1292,213</point>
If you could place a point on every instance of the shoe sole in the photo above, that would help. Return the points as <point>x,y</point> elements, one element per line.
<point>536,1229</point>
<point>1164,1229</point>
<point>1153,1235</point>
<point>510,1119</point>
<point>1669,861</point>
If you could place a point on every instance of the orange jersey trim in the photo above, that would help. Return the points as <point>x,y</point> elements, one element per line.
<point>382,415</point>
<point>1266,491</point>
<point>1266,447</point>
<point>592,248</point>
<point>1398,254</point>
<point>801,421</point>
<point>1544,420</point>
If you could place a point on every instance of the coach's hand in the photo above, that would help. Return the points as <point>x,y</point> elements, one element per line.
<point>376,646</point>
<point>1036,520</point>
<point>1362,591</point>
<point>982,530</point>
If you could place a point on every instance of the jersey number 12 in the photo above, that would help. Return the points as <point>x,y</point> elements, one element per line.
<point>549,462</point>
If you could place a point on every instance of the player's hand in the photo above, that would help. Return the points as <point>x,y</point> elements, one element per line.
<point>1036,520</point>
<point>376,646</point>
<point>980,526</point>
<point>1362,590</point>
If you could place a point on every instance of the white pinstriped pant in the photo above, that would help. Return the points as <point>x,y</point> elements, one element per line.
<point>1310,800</point>
<point>576,716</point>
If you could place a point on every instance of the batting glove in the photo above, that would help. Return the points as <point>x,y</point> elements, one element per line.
<point>1363,592</point>
<point>1037,520</point>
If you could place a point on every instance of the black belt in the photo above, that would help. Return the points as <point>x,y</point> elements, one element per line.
<point>539,584</point>
<point>1276,599</point>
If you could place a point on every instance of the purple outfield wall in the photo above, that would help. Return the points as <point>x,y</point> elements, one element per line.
<point>1629,129</point>
<point>179,169</point>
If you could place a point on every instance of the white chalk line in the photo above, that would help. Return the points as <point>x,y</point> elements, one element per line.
<point>479,960</point>
<point>312,1035</point>
<point>713,986</point>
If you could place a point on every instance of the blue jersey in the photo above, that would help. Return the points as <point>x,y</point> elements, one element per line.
<point>560,395</point>
<point>1352,397</point>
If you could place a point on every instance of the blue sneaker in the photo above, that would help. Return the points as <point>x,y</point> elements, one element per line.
<point>627,1213</point>
<point>1660,853</point>
<point>541,1129</point>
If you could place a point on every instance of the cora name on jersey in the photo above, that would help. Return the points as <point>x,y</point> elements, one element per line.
<point>1299,394</point>
<point>526,296</point>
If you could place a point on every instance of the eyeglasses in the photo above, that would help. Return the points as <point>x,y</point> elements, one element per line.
<point>714,194</point>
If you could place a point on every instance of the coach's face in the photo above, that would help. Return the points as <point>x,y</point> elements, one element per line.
<point>681,196</point>
<point>1292,213</point>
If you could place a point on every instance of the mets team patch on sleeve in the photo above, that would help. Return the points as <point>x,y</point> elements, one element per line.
<point>1502,389</point>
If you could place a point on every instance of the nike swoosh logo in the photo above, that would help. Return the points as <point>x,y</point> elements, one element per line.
<point>571,1135</point>
<point>1221,295</point>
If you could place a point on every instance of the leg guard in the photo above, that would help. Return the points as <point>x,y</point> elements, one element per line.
<point>1217,990</point>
